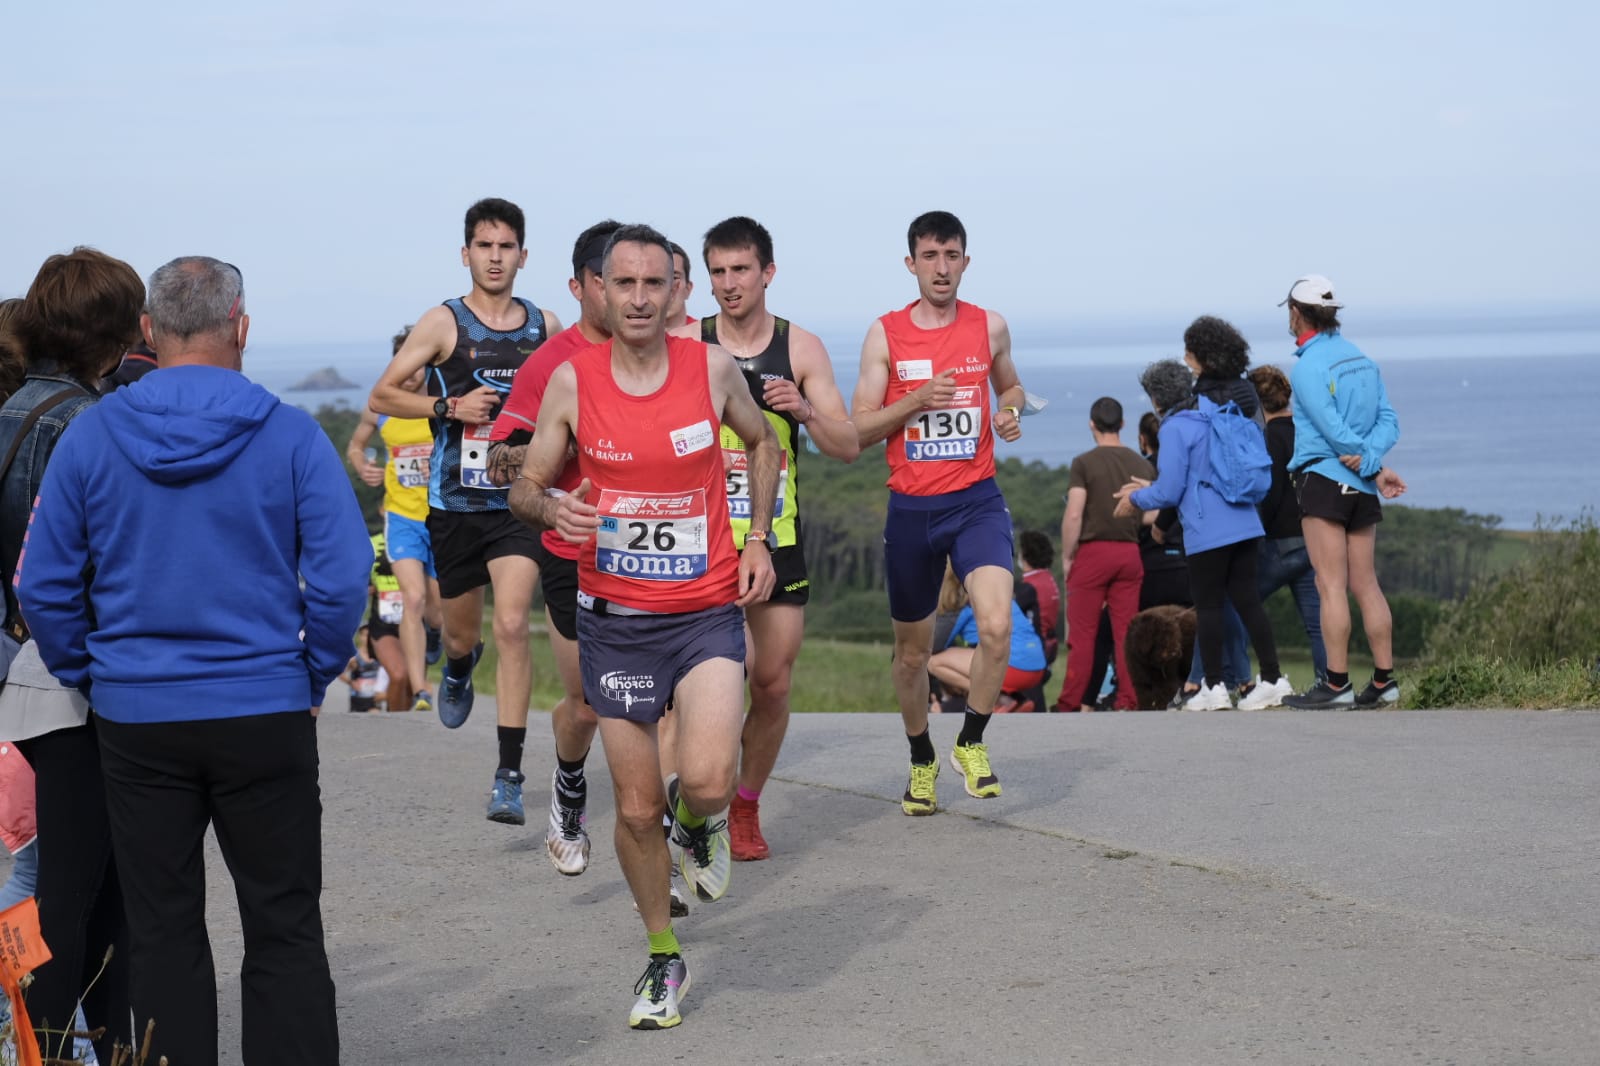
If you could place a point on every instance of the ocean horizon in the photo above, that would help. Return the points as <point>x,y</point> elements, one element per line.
<point>1490,418</point>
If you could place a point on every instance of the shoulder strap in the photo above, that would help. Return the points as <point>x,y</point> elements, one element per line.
<point>13,619</point>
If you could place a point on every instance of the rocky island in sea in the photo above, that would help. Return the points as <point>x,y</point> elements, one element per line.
<point>323,380</point>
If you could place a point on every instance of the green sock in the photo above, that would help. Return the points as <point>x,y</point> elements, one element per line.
<point>664,942</point>
<point>685,817</point>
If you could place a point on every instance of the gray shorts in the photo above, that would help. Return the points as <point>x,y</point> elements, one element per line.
<point>632,663</point>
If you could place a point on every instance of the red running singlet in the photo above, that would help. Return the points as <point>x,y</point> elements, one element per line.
<point>948,448</point>
<point>655,467</point>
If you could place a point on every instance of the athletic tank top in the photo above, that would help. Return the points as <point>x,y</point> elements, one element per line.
<point>949,448</point>
<point>409,442</point>
<point>773,362</point>
<point>386,604</point>
<point>459,480</point>
<point>664,542</point>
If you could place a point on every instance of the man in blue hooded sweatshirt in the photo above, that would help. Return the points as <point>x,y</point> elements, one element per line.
<point>196,564</point>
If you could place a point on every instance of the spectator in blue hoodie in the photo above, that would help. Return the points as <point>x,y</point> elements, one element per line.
<point>229,568</point>
<point>1343,428</point>
<point>1219,537</point>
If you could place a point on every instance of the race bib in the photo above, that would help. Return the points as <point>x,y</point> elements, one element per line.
<point>475,457</point>
<point>390,606</point>
<point>737,470</point>
<point>946,432</point>
<point>652,538</point>
<point>411,464</point>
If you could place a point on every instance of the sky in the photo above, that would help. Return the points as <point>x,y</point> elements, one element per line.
<point>1131,164</point>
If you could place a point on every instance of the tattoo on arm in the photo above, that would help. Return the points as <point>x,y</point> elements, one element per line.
<point>505,460</point>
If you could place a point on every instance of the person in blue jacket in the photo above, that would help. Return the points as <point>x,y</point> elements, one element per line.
<point>1343,428</point>
<point>1219,537</point>
<point>195,565</point>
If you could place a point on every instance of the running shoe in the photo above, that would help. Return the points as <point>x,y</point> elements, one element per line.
<point>706,862</point>
<point>455,696</point>
<point>505,798</point>
<point>662,988</point>
<point>424,701</point>
<point>744,831</point>
<point>921,797</point>
<point>1264,695</point>
<point>1324,697</point>
<point>1374,694</point>
<point>567,839</point>
<point>435,645</point>
<point>1212,698</point>
<point>973,762</point>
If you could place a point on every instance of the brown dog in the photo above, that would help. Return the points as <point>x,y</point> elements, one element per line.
<point>1159,643</point>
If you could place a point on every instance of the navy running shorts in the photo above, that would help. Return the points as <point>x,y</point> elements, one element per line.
<point>970,528</point>
<point>632,663</point>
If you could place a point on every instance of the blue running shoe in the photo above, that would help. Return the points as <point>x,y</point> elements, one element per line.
<point>455,695</point>
<point>505,798</point>
<point>435,650</point>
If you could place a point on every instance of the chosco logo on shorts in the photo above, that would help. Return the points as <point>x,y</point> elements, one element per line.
<point>628,689</point>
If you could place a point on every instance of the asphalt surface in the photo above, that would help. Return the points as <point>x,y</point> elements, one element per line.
<point>1375,887</point>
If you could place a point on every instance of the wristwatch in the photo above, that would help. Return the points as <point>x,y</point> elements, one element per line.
<point>441,408</point>
<point>767,537</point>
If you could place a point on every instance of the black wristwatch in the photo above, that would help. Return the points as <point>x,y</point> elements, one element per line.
<point>441,408</point>
<point>769,538</point>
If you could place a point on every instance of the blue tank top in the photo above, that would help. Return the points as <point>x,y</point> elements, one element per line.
<point>459,478</point>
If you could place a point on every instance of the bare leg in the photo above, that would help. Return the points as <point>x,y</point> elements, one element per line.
<point>641,849</point>
<point>710,709</point>
<point>1375,618</point>
<point>989,589</point>
<point>953,668</point>
<point>413,641</point>
<point>513,578</point>
<point>1326,544</point>
<point>913,642</point>
<point>776,631</point>
<point>463,623</point>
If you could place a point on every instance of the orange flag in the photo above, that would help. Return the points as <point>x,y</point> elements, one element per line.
<point>22,950</point>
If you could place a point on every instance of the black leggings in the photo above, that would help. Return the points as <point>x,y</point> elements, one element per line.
<point>1230,571</point>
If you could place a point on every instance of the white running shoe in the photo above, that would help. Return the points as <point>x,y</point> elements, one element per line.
<point>664,985</point>
<point>1214,698</point>
<point>567,838</point>
<point>1264,696</point>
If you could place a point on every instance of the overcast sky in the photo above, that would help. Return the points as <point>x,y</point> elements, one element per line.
<point>1129,162</point>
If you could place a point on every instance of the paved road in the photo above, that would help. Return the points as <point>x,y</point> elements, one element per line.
<point>1418,887</point>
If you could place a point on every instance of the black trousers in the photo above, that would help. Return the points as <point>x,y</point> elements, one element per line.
<point>1230,571</point>
<point>255,780</point>
<point>80,899</point>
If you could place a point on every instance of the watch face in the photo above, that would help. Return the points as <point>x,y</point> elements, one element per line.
<point>441,408</point>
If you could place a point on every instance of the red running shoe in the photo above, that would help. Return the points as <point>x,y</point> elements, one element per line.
<point>744,831</point>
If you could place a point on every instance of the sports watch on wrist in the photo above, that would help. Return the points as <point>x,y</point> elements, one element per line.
<point>767,537</point>
<point>441,408</point>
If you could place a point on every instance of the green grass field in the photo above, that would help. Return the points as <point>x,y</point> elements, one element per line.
<point>833,675</point>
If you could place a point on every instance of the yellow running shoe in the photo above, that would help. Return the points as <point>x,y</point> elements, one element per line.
<point>921,797</point>
<point>973,762</point>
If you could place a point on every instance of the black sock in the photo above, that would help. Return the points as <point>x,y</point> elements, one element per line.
<point>571,786</point>
<point>1337,681</point>
<point>459,668</point>
<point>1382,677</point>
<point>922,749</point>
<point>972,725</point>
<point>511,738</point>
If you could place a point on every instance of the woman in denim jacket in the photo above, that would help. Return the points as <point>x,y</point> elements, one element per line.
<point>80,315</point>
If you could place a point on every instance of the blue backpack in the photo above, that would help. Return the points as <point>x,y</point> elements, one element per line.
<point>1241,469</point>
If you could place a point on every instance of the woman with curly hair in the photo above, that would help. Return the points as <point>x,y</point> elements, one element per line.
<point>1220,536</point>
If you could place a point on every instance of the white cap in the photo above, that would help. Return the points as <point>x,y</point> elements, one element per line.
<point>1312,289</point>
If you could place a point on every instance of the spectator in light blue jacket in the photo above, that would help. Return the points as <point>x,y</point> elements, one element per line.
<point>1220,538</point>
<point>1343,428</point>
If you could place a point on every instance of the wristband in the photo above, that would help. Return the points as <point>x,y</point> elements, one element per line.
<point>452,406</point>
<point>1016,412</point>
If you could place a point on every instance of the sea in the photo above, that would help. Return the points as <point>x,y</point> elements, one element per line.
<point>1493,420</point>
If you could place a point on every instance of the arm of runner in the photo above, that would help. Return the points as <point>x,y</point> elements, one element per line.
<point>569,514</point>
<point>432,340</point>
<point>369,472</point>
<point>1008,392</point>
<point>813,398</point>
<point>873,421</point>
<point>552,324</point>
<point>740,413</point>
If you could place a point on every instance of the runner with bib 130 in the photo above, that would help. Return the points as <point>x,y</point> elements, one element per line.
<point>926,375</point>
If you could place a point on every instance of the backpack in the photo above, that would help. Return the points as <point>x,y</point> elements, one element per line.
<point>1236,449</point>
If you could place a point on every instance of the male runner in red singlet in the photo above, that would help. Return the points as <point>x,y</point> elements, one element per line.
<point>926,375</point>
<point>471,348</point>
<point>791,379</point>
<point>661,583</point>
